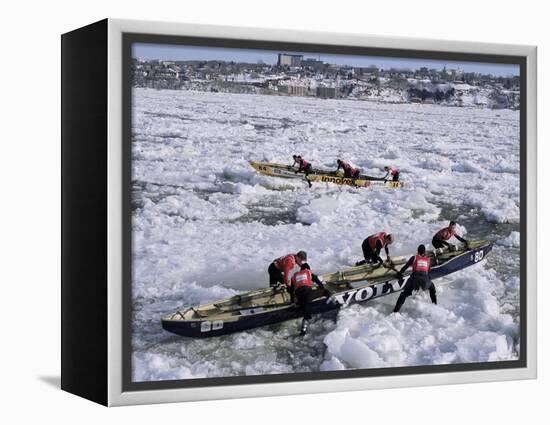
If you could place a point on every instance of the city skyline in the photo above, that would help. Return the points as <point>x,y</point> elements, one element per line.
<point>167,52</point>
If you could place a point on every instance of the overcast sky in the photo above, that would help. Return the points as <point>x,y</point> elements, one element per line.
<point>178,52</point>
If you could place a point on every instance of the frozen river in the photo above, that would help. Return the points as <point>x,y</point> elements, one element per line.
<point>206,226</point>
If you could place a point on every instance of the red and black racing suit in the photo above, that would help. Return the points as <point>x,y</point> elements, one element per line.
<point>372,246</point>
<point>419,279</point>
<point>440,238</point>
<point>349,171</point>
<point>304,166</point>
<point>302,290</point>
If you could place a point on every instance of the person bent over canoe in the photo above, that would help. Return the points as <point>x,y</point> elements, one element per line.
<point>372,246</point>
<point>349,171</point>
<point>391,173</point>
<point>301,287</point>
<point>419,279</point>
<point>440,238</point>
<point>279,270</point>
<point>303,166</point>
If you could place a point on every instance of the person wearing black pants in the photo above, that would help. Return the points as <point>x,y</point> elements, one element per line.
<point>304,294</point>
<point>280,268</point>
<point>419,279</point>
<point>414,284</point>
<point>304,297</point>
<point>372,246</point>
<point>441,237</point>
<point>275,275</point>
<point>373,255</point>
<point>303,167</point>
<point>349,171</point>
<point>391,172</point>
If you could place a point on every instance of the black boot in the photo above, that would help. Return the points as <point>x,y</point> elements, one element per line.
<point>433,296</point>
<point>400,302</point>
<point>303,328</point>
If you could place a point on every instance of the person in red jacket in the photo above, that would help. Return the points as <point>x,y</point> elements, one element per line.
<point>280,268</point>
<point>349,171</point>
<point>303,166</point>
<point>301,287</point>
<point>391,172</point>
<point>441,237</point>
<point>372,246</point>
<point>419,279</point>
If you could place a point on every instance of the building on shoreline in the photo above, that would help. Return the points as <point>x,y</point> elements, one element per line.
<point>295,76</point>
<point>293,61</point>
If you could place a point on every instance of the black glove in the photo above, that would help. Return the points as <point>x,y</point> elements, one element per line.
<point>327,293</point>
<point>296,172</point>
<point>467,244</point>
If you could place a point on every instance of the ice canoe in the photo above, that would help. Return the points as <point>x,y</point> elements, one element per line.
<point>353,285</point>
<point>322,176</point>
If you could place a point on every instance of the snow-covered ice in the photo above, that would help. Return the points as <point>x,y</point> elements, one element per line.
<point>206,226</point>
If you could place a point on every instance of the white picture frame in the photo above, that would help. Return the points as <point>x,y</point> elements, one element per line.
<point>112,389</point>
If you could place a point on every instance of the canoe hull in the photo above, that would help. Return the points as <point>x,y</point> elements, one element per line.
<point>322,176</point>
<point>363,291</point>
<point>343,181</point>
<point>276,170</point>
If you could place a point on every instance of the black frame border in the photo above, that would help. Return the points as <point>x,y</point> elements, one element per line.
<point>130,38</point>
<point>84,185</point>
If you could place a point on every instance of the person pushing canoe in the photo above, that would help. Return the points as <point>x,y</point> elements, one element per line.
<point>372,246</point>
<point>350,172</point>
<point>419,279</point>
<point>442,236</point>
<point>280,268</point>
<point>301,287</point>
<point>391,173</point>
<point>303,166</point>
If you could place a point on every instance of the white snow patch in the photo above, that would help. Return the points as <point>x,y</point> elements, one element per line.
<point>513,240</point>
<point>466,326</point>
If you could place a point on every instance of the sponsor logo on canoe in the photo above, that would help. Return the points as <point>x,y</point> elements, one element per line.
<point>274,170</point>
<point>342,180</point>
<point>366,293</point>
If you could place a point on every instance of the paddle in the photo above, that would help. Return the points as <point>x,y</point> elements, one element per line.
<point>392,267</point>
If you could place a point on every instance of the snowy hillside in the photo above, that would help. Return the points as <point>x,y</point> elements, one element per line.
<point>206,226</point>
<point>383,90</point>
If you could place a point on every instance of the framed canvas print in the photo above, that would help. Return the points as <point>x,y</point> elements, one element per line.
<point>255,212</point>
